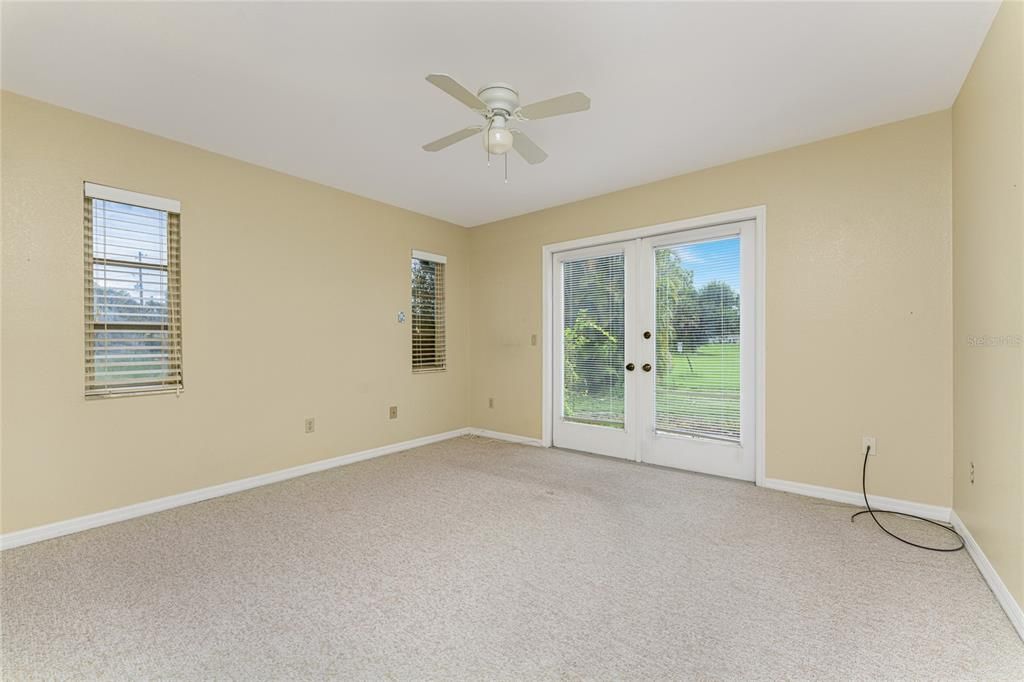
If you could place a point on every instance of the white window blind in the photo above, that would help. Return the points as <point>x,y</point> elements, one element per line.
<point>428,329</point>
<point>698,339</point>
<point>132,294</point>
<point>593,331</point>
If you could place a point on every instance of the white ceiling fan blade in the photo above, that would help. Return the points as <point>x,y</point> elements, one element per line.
<point>556,106</point>
<point>449,140</point>
<point>527,148</point>
<point>453,88</point>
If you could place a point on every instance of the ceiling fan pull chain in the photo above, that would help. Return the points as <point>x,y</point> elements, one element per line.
<point>487,140</point>
<point>506,168</point>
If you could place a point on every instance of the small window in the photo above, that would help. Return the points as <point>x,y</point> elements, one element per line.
<point>428,339</point>
<point>132,293</point>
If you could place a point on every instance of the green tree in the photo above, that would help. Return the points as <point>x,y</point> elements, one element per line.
<point>719,310</point>
<point>597,287</point>
<point>592,324</point>
<point>677,311</point>
<point>591,363</point>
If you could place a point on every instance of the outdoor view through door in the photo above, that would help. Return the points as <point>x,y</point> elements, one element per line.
<point>654,349</point>
<point>698,339</point>
<point>594,340</point>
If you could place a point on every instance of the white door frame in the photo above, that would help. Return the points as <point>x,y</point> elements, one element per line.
<point>756,213</point>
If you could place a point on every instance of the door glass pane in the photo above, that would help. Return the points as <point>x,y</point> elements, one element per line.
<point>593,327</point>
<point>697,385</point>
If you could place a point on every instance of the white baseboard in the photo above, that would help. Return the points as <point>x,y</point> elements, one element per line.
<point>935,513</point>
<point>995,583</point>
<point>54,530</point>
<point>928,511</point>
<point>510,437</point>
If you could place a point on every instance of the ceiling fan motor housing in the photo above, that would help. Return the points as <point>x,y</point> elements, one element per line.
<point>500,97</point>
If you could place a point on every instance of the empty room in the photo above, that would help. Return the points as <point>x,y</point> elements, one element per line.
<point>512,340</point>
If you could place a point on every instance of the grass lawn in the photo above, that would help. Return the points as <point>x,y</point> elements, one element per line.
<point>699,393</point>
<point>713,367</point>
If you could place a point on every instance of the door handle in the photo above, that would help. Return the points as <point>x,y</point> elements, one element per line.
<point>646,367</point>
<point>647,335</point>
<point>630,367</point>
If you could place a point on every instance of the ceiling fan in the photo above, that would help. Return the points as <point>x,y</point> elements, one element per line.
<point>498,103</point>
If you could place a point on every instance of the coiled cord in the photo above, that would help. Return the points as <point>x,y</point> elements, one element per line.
<point>873,512</point>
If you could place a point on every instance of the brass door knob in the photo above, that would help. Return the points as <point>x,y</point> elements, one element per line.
<point>630,367</point>
<point>646,367</point>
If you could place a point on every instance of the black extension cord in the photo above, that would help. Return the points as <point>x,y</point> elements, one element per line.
<point>869,510</point>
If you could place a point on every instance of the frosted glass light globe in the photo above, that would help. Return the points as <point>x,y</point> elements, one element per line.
<point>498,140</point>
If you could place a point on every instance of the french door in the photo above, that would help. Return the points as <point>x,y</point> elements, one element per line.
<point>653,350</point>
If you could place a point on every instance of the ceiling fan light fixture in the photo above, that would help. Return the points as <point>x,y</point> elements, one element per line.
<point>498,140</point>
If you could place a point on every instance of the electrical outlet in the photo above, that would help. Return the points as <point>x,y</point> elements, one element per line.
<point>393,412</point>
<point>868,440</point>
<point>490,403</point>
<point>310,424</point>
<point>972,473</point>
<point>533,339</point>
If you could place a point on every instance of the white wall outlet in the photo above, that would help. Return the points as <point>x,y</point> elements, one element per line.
<point>393,412</point>
<point>868,440</point>
<point>310,424</point>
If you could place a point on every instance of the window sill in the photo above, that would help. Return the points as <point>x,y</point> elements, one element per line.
<point>133,393</point>
<point>429,370</point>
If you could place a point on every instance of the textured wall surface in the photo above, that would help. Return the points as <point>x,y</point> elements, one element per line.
<point>988,297</point>
<point>290,297</point>
<point>859,313</point>
<point>291,290</point>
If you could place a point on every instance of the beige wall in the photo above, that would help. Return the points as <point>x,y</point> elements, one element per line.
<point>290,296</point>
<point>859,312</point>
<point>988,297</point>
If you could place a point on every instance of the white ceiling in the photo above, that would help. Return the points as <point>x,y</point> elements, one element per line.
<point>336,93</point>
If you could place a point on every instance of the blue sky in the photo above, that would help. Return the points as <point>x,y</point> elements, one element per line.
<point>712,260</point>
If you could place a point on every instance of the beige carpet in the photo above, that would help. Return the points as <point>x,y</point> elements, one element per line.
<point>474,559</point>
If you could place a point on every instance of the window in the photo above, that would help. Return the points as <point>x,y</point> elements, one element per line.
<point>428,341</point>
<point>132,293</point>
